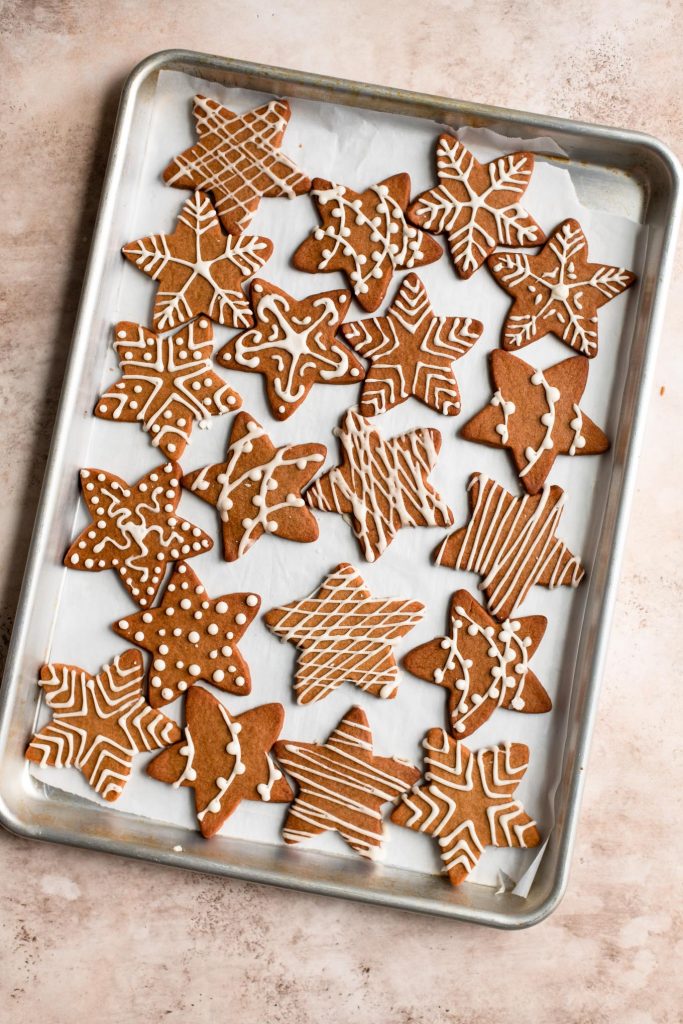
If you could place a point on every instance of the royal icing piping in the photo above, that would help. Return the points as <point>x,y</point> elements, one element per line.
<point>552,397</point>
<point>507,409</point>
<point>189,773</point>
<point>238,767</point>
<point>578,441</point>
<point>264,789</point>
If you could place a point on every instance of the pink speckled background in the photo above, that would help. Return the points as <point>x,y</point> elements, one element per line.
<point>88,937</point>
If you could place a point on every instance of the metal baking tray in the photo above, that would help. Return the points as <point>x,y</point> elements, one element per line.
<point>614,170</point>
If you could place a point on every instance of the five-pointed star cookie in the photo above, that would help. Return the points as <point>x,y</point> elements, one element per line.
<point>192,637</point>
<point>99,722</point>
<point>366,236</point>
<point>342,785</point>
<point>135,529</point>
<point>536,415</point>
<point>237,160</point>
<point>381,485</point>
<point>168,384</point>
<point>466,801</point>
<point>511,542</point>
<point>476,204</point>
<point>344,634</point>
<point>483,664</point>
<point>258,488</point>
<point>199,270</point>
<point>225,758</point>
<point>411,352</point>
<point>558,291</point>
<point>293,345</point>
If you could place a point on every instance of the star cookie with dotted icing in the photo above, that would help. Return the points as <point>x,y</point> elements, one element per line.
<point>558,291</point>
<point>224,758</point>
<point>381,485</point>
<point>99,723</point>
<point>535,414</point>
<point>466,801</point>
<point>293,345</point>
<point>343,785</point>
<point>192,637</point>
<point>257,489</point>
<point>168,384</point>
<point>482,664</point>
<point>477,205</point>
<point>135,529</point>
<point>344,634</point>
<point>411,352</point>
<point>238,160</point>
<point>198,269</point>
<point>366,236</point>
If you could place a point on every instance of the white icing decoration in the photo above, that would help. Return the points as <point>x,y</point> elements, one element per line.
<point>264,789</point>
<point>238,766</point>
<point>578,441</point>
<point>552,397</point>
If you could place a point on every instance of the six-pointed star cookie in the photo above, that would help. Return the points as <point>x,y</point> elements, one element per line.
<point>466,801</point>
<point>99,722</point>
<point>411,352</point>
<point>293,345</point>
<point>199,269</point>
<point>224,758</point>
<point>193,637</point>
<point>536,415</point>
<point>483,664</point>
<point>476,204</point>
<point>365,235</point>
<point>135,529</point>
<point>511,542</point>
<point>344,634</point>
<point>257,489</point>
<point>381,485</point>
<point>237,160</point>
<point>342,785</point>
<point>168,384</point>
<point>558,291</point>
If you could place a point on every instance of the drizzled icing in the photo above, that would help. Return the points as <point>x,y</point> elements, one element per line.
<point>578,441</point>
<point>507,409</point>
<point>189,772</point>
<point>552,397</point>
<point>264,789</point>
<point>238,766</point>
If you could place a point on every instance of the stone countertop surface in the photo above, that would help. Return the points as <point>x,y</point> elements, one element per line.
<point>91,937</point>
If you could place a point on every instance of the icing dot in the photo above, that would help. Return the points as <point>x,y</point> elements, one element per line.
<point>221,607</point>
<point>170,611</point>
<point>185,603</point>
<point>226,651</point>
<point>123,624</point>
<point>166,693</point>
<point>194,670</point>
<point>182,685</point>
<point>193,637</point>
<point>163,649</point>
<point>252,600</point>
<point>139,636</point>
<point>218,676</point>
<point>239,681</point>
<point>240,619</point>
<point>74,561</point>
<point>159,664</point>
<point>156,681</point>
<point>212,629</point>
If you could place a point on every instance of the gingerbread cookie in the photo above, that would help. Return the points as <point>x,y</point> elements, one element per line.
<point>342,785</point>
<point>199,270</point>
<point>225,758</point>
<point>366,236</point>
<point>258,488</point>
<point>466,801</point>
<point>99,723</point>
<point>511,542</point>
<point>411,352</point>
<point>477,204</point>
<point>558,291</point>
<point>237,160</point>
<point>536,415</point>
<point>135,529</point>
<point>293,345</point>
<point>344,634</point>
<point>168,384</point>
<point>381,485</point>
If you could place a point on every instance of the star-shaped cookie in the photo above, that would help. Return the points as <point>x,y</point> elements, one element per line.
<point>558,291</point>
<point>237,160</point>
<point>99,723</point>
<point>293,345</point>
<point>135,529</point>
<point>199,270</point>
<point>192,637</point>
<point>344,634</point>
<point>483,664</point>
<point>168,384</point>
<point>411,352</point>
<point>536,415</point>
<point>225,758</point>
<point>257,489</point>
<point>477,204</point>
<point>511,542</point>
<point>342,785</point>
<point>366,236</point>
<point>381,485</point>
<point>466,801</point>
